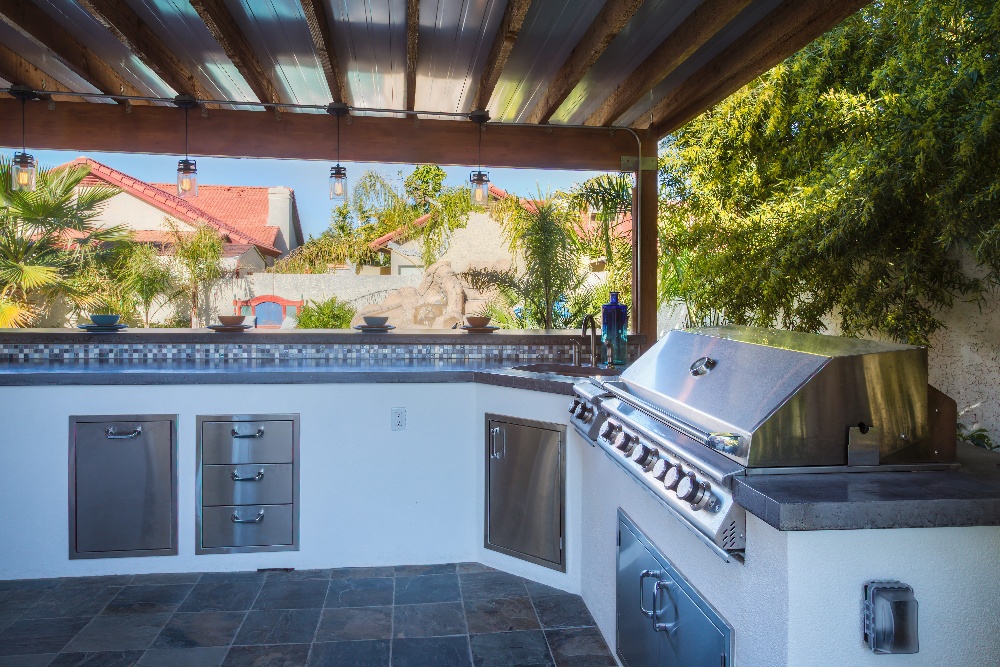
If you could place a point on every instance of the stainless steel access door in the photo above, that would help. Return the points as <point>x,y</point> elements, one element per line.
<point>638,571</point>
<point>123,486</point>
<point>525,489</point>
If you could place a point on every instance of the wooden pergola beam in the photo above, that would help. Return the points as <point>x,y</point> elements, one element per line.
<point>699,26</point>
<point>786,30</point>
<point>319,31</point>
<point>412,34</point>
<point>19,71</point>
<point>40,28</point>
<point>503,43</point>
<point>221,23</point>
<point>122,22</point>
<point>605,27</point>
<point>159,130</point>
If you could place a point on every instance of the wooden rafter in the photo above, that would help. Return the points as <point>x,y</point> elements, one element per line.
<point>130,30</point>
<point>510,27</point>
<point>19,71</point>
<point>37,26</point>
<point>319,30</point>
<point>789,28</point>
<point>606,26</point>
<point>227,33</point>
<point>700,25</point>
<point>412,30</point>
<point>159,130</point>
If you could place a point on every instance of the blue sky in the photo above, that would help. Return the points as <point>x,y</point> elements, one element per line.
<point>307,179</point>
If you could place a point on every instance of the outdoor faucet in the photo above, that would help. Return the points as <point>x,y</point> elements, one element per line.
<point>594,355</point>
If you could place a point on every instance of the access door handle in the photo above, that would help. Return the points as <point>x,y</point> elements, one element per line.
<point>642,577</point>
<point>657,625</point>
<point>259,433</point>
<point>495,453</point>
<point>110,434</point>
<point>256,478</point>
<point>236,518</point>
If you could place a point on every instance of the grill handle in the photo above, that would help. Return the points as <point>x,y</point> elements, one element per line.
<point>642,577</point>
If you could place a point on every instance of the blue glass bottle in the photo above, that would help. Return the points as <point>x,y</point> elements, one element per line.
<point>614,329</point>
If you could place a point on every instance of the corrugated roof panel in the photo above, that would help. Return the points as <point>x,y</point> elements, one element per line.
<point>453,44</point>
<point>369,39</point>
<point>550,31</point>
<point>749,17</point>
<point>653,22</point>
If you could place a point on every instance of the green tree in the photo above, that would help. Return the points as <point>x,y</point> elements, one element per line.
<point>329,314</point>
<point>610,195</point>
<point>423,186</point>
<point>846,181</point>
<point>547,287</point>
<point>198,255</point>
<point>46,237</point>
<point>150,278</point>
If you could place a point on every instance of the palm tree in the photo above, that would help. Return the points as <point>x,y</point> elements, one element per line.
<point>198,255</point>
<point>611,195</point>
<point>46,237</point>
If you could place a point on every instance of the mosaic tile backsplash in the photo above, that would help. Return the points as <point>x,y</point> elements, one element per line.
<point>138,352</point>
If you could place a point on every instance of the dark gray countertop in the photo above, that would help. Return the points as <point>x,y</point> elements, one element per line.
<point>262,371</point>
<point>844,501</point>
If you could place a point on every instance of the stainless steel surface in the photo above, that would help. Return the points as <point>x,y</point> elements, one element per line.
<point>862,446</point>
<point>248,483</point>
<point>253,526</point>
<point>122,486</point>
<point>891,611</point>
<point>589,320</point>
<point>568,369</point>
<point>525,490</point>
<point>681,629</point>
<point>261,441</point>
<point>262,484</point>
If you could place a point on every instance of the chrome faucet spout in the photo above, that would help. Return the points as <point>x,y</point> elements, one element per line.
<point>594,354</point>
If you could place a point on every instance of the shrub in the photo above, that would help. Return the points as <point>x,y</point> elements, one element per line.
<point>330,314</point>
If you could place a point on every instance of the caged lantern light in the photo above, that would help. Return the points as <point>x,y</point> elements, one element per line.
<point>479,179</point>
<point>187,169</point>
<point>23,168</point>
<point>338,174</point>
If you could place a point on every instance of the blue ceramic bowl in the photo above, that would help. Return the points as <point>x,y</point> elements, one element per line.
<point>105,320</point>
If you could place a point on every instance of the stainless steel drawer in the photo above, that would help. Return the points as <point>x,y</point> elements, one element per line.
<point>227,442</point>
<point>247,526</point>
<point>254,484</point>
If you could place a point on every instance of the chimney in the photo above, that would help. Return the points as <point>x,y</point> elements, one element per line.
<point>279,214</point>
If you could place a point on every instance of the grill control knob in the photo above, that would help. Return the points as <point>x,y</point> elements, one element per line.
<point>673,477</point>
<point>640,453</point>
<point>576,404</point>
<point>609,431</point>
<point>586,414</point>
<point>661,467</point>
<point>690,490</point>
<point>624,442</point>
<point>651,461</point>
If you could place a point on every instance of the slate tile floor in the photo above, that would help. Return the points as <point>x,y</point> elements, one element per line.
<point>406,616</point>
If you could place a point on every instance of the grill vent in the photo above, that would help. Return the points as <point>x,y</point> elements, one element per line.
<point>729,536</point>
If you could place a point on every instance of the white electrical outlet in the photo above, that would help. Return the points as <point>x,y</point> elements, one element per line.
<point>397,420</point>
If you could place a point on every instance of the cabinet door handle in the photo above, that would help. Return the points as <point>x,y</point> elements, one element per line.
<point>110,434</point>
<point>657,625</point>
<point>642,577</point>
<point>494,432</point>
<point>259,433</point>
<point>236,518</point>
<point>256,478</point>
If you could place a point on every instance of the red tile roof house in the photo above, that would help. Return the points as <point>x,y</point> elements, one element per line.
<point>257,224</point>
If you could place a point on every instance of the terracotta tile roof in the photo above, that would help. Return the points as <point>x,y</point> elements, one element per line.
<point>185,210</point>
<point>235,249</point>
<point>244,206</point>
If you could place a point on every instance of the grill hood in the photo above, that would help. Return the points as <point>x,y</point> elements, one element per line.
<point>773,399</point>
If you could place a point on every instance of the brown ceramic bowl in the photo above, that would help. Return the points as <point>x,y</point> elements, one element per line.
<point>477,322</point>
<point>231,320</point>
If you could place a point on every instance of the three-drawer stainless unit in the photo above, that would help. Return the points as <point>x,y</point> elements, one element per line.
<point>122,486</point>
<point>248,483</point>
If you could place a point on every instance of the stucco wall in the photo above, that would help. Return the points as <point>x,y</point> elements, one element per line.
<point>480,243</point>
<point>124,209</point>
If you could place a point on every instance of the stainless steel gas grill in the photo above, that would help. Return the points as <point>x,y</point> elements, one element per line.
<point>703,406</point>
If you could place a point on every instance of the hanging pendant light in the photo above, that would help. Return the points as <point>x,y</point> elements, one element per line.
<point>338,174</point>
<point>187,169</point>
<point>23,168</point>
<point>480,179</point>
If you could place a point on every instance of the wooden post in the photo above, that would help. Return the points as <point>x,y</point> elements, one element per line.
<point>646,241</point>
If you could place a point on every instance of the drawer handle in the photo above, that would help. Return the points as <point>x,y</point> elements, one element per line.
<point>110,434</point>
<point>259,433</point>
<point>236,518</point>
<point>647,573</point>
<point>657,625</point>
<point>256,478</point>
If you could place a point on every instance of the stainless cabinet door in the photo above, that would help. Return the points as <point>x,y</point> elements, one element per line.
<point>123,486</point>
<point>525,497</point>
<point>638,644</point>
<point>691,640</point>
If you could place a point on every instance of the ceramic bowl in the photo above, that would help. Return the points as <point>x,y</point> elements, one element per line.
<point>231,320</point>
<point>477,322</point>
<point>371,321</point>
<point>105,320</point>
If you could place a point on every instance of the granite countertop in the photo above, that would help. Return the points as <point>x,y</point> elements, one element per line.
<point>264,371</point>
<point>969,496</point>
